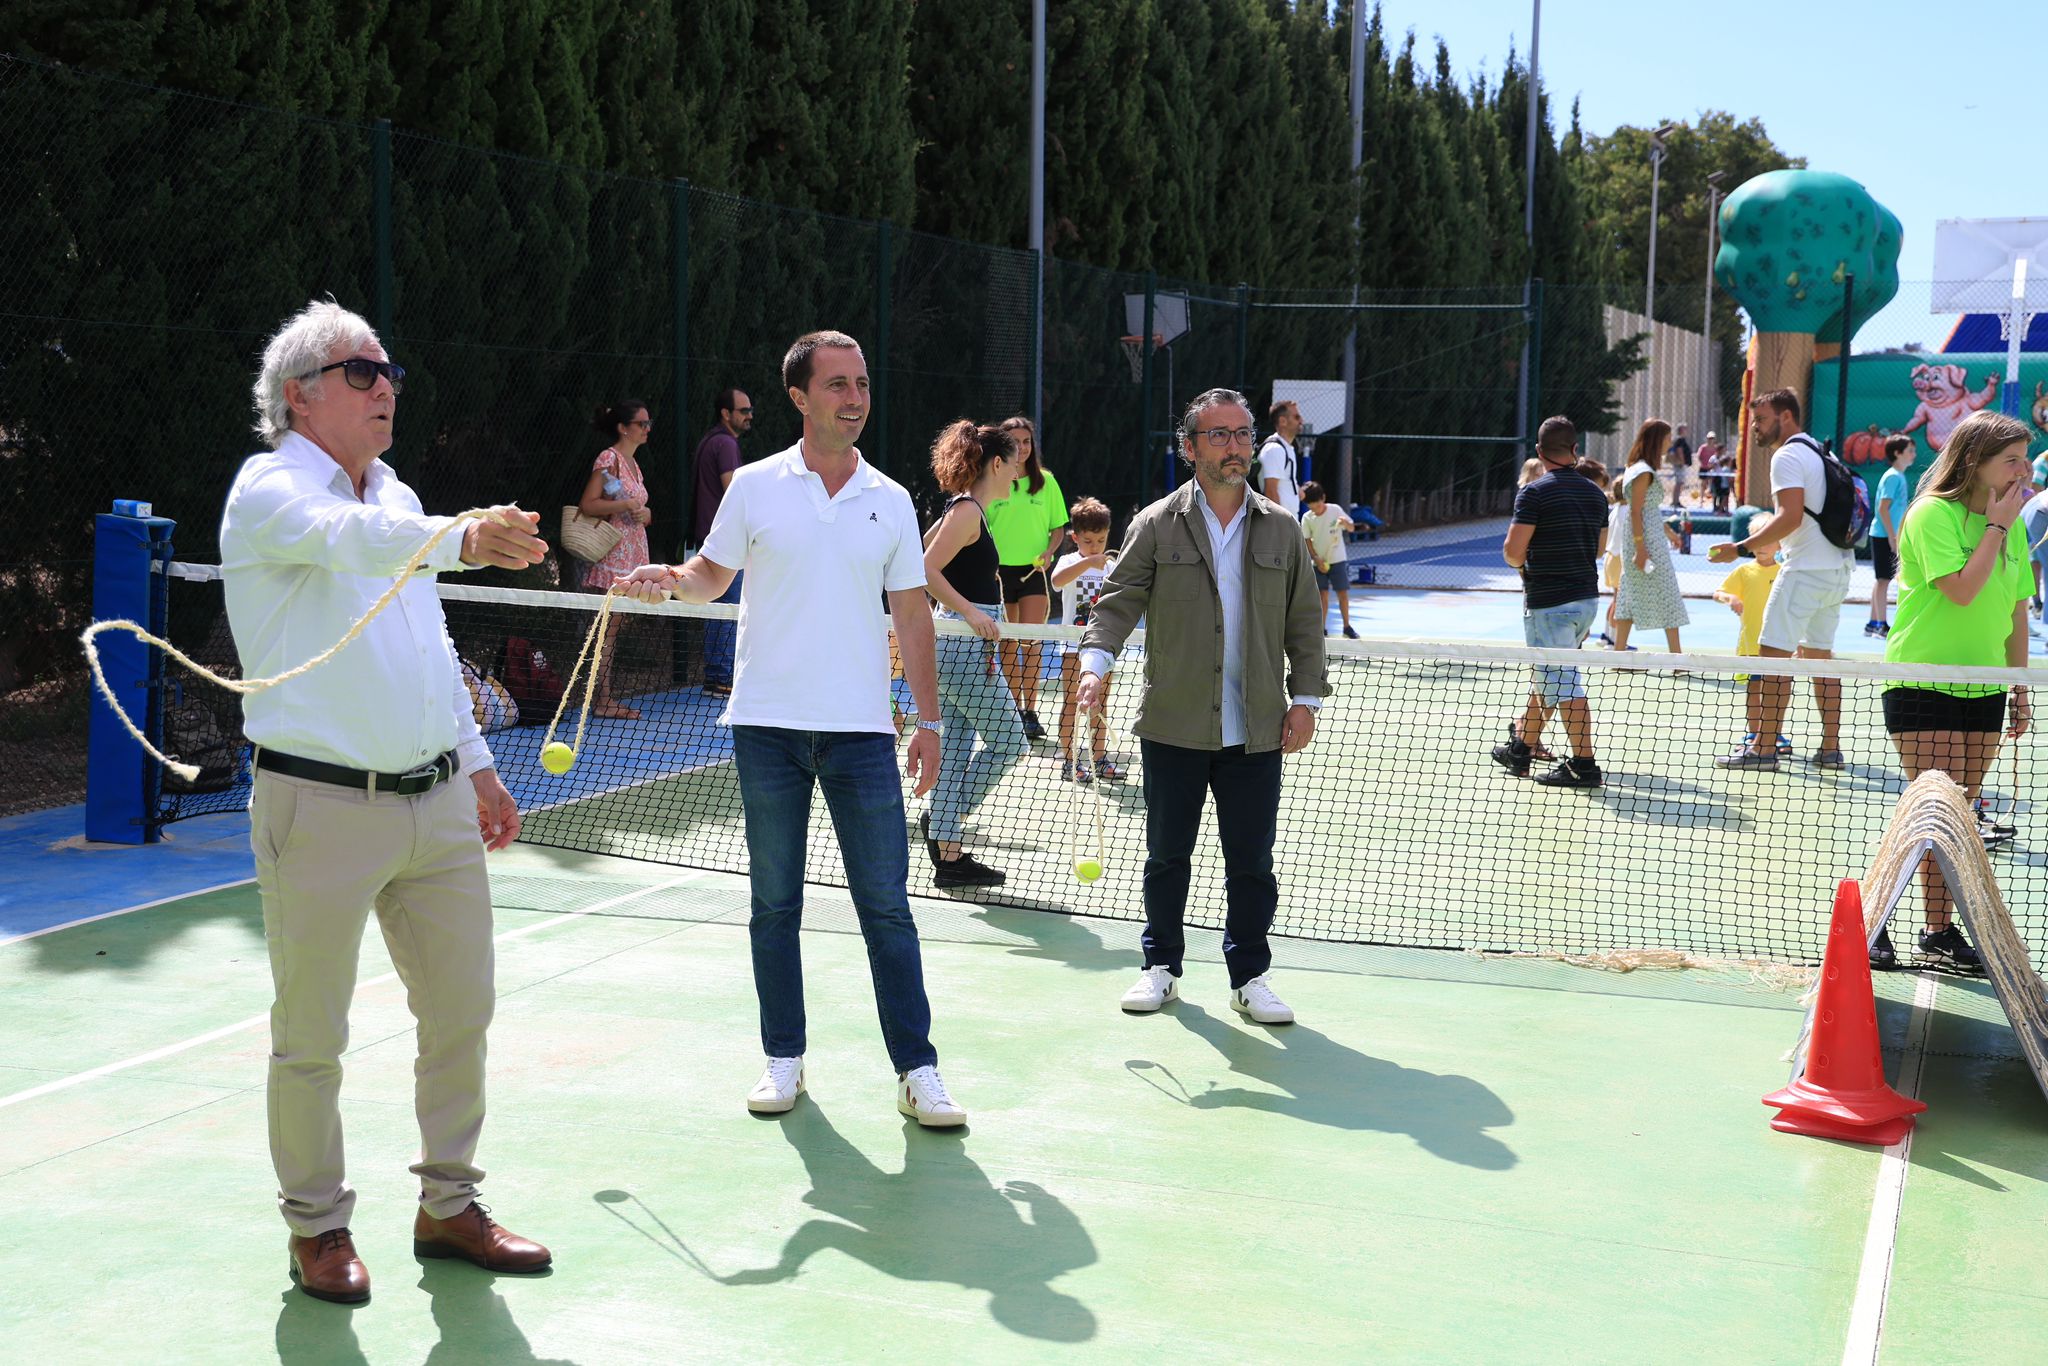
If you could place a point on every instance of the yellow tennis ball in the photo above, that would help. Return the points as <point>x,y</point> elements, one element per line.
<point>556,757</point>
<point>1087,869</point>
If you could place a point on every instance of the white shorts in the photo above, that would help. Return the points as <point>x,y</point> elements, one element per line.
<point>1803,609</point>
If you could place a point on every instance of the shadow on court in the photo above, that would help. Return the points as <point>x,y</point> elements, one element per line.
<point>1326,1083</point>
<point>312,1332</point>
<point>473,1319</point>
<point>1056,937</point>
<point>940,1219</point>
<point>474,1322</point>
<point>130,943</point>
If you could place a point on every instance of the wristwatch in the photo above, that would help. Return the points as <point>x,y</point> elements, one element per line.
<point>923,724</point>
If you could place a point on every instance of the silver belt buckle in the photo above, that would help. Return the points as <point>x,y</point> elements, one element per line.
<point>419,779</point>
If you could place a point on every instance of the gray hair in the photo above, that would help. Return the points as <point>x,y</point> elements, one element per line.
<point>301,347</point>
<point>1210,398</point>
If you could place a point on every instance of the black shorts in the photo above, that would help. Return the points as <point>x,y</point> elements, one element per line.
<point>1021,581</point>
<point>1884,561</point>
<point>1911,709</point>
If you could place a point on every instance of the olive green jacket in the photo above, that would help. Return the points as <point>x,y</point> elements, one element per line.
<point>1164,576</point>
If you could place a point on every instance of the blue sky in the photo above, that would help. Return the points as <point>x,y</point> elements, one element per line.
<point>1926,104</point>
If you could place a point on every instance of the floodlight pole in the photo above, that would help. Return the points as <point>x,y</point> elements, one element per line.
<point>1034,401</point>
<point>1357,160</point>
<point>1525,421</point>
<point>1650,285</point>
<point>1709,418</point>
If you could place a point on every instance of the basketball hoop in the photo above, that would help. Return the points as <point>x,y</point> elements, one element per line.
<point>1134,352</point>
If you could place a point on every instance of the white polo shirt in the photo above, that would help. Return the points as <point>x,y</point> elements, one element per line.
<point>813,642</point>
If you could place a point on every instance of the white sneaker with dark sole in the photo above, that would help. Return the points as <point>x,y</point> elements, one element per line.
<point>781,1083</point>
<point>1256,1001</point>
<point>922,1095</point>
<point>1153,989</point>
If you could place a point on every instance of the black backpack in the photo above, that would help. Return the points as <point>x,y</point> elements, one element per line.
<point>1844,514</point>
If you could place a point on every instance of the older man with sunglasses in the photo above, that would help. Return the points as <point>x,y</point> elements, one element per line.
<point>373,788</point>
<point>1221,576</point>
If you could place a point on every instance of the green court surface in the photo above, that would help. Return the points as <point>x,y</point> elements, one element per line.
<point>1450,1158</point>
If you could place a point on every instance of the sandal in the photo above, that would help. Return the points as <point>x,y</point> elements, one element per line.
<point>1106,769</point>
<point>1536,751</point>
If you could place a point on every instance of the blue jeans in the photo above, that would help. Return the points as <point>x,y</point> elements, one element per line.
<point>1562,627</point>
<point>857,770</point>
<point>1247,788</point>
<point>977,704</point>
<point>720,637</point>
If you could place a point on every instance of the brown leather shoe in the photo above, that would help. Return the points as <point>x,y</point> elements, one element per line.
<point>473,1237</point>
<point>327,1268</point>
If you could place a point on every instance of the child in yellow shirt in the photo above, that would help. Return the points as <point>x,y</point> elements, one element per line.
<point>1745,590</point>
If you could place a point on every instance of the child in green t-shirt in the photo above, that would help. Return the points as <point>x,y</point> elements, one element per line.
<point>1964,581</point>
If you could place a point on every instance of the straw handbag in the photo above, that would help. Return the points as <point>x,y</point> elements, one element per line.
<point>588,538</point>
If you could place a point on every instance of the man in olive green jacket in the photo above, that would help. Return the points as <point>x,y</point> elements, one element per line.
<point>1234,674</point>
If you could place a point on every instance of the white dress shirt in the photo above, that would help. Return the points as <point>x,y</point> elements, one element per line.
<point>302,558</point>
<point>1227,559</point>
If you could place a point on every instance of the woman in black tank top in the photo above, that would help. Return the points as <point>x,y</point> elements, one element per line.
<point>975,465</point>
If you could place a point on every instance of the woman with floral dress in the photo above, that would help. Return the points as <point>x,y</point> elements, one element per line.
<point>617,490</point>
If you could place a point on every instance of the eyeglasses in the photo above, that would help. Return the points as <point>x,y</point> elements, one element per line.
<point>362,374</point>
<point>641,422</point>
<point>748,412</point>
<point>1222,437</point>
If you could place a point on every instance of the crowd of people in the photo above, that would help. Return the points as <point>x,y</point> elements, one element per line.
<point>375,790</point>
<point>1960,549</point>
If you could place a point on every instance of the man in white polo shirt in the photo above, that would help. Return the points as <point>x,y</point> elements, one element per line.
<point>821,535</point>
<point>1806,597</point>
<point>1278,468</point>
<point>357,800</point>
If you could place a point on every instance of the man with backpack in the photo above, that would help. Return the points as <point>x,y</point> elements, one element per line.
<point>1822,511</point>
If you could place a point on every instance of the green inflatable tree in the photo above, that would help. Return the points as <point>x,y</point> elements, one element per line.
<point>1789,242</point>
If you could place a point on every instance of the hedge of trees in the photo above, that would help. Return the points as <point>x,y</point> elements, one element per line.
<point>842,160</point>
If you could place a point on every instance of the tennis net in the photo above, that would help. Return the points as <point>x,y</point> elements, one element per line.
<point>1397,826</point>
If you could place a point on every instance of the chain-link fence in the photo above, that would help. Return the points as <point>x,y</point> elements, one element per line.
<point>156,238</point>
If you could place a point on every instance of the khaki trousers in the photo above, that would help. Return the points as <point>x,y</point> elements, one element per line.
<point>324,856</point>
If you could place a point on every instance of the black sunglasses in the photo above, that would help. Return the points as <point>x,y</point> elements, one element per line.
<point>362,374</point>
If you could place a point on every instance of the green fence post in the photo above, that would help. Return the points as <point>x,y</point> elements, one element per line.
<point>679,371</point>
<point>1533,419</point>
<point>1145,376</point>
<point>877,453</point>
<point>380,217</point>
<point>1244,331</point>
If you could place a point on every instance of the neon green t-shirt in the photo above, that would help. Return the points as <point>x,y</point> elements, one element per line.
<point>1935,539</point>
<point>1023,522</point>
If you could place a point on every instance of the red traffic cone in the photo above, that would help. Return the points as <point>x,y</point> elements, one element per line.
<point>1842,1093</point>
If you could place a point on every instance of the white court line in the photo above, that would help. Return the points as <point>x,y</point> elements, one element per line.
<point>198,1040</point>
<point>109,915</point>
<point>1874,1281</point>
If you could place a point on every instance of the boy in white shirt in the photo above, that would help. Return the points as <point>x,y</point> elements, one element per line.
<point>1078,576</point>
<point>1325,524</point>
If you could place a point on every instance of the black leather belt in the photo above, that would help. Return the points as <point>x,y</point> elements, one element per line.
<point>409,784</point>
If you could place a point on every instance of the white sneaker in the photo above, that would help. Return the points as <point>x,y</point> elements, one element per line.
<point>778,1088</point>
<point>921,1094</point>
<point>1153,989</point>
<point>1256,1000</point>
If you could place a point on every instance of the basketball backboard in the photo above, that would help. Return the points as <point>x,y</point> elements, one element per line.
<point>1321,402</point>
<point>1169,316</point>
<point>1975,259</point>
